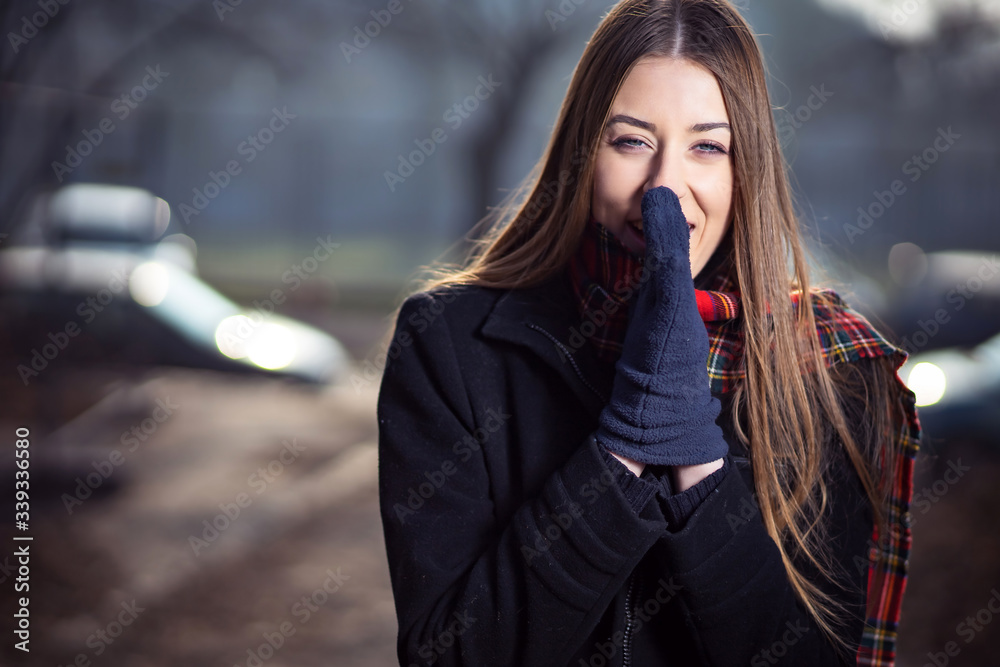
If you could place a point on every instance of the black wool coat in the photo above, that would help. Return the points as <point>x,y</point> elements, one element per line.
<point>512,539</point>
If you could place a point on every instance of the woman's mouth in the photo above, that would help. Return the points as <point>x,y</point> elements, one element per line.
<point>634,239</point>
<point>637,225</point>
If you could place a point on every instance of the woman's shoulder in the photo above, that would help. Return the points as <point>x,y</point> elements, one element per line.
<point>458,297</point>
<point>452,306</point>
<point>845,335</point>
<point>466,304</point>
<point>850,342</point>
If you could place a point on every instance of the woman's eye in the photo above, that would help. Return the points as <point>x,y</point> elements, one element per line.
<point>628,142</point>
<point>711,148</point>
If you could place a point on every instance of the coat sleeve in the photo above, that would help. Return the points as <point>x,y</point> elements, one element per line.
<point>739,602</point>
<point>468,589</point>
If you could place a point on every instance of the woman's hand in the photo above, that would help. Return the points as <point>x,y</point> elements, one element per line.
<point>634,467</point>
<point>661,410</point>
<point>684,477</point>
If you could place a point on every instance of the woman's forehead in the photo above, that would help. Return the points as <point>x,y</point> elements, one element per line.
<point>670,90</point>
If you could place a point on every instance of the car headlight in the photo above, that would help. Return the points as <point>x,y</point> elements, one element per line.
<point>927,381</point>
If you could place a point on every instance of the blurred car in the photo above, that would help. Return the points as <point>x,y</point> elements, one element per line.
<point>945,311</point>
<point>958,393</point>
<point>91,278</point>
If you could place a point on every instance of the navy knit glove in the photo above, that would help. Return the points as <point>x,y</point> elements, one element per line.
<point>661,410</point>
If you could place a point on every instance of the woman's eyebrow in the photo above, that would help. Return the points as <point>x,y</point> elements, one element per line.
<point>651,127</point>
<point>708,127</point>
<point>629,120</point>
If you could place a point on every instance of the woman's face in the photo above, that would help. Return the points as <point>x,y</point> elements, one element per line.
<point>668,126</point>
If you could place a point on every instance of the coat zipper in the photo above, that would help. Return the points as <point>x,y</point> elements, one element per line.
<point>627,639</point>
<point>572,361</point>
<point>629,595</point>
<point>629,621</point>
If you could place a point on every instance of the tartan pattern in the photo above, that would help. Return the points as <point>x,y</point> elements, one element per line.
<point>717,306</point>
<point>887,566</point>
<point>604,274</point>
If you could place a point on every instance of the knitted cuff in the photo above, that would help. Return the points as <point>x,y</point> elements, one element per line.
<point>678,507</point>
<point>637,490</point>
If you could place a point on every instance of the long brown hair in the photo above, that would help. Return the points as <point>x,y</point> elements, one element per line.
<point>790,400</point>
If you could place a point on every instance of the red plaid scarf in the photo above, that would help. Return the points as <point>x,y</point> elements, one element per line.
<point>603,269</point>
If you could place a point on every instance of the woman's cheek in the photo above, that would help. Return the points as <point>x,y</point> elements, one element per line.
<point>623,184</point>
<point>608,194</point>
<point>717,204</point>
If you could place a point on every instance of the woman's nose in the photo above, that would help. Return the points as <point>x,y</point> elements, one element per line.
<point>667,170</point>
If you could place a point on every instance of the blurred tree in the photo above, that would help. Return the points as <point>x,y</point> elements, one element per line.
<point>513,40</point>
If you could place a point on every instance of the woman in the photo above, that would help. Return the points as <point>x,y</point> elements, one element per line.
<point>563,478</point>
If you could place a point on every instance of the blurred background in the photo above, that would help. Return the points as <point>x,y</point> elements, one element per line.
<point>208,211</point>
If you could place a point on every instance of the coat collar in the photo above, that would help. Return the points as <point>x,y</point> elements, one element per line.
<point>545,319</point>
